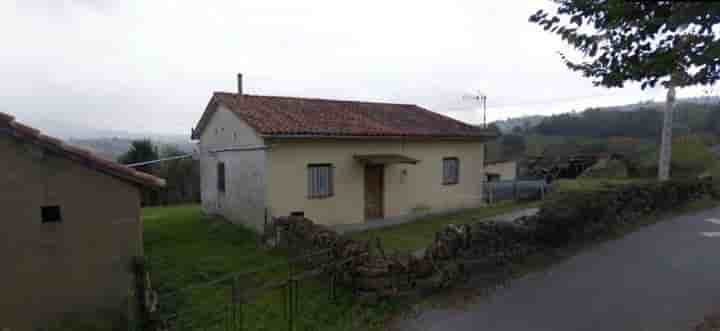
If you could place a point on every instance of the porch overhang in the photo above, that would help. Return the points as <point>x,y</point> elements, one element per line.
<point>384,159</point>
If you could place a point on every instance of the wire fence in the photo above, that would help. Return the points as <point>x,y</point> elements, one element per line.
<point>519,190</point>
<point>269,298</point>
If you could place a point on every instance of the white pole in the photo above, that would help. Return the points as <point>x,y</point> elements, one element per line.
<point>666,143</point>
<point>484,101</point>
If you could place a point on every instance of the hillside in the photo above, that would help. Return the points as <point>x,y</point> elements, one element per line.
<point>522,122</point>
<point>689,113</point>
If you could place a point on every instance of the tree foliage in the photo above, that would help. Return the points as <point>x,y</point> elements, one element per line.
<point>142,150</point>
<point>181,175</point>
<point>513,145</point>
<point>600,124</point>
<point>639,41</point>
<point>712,123</point>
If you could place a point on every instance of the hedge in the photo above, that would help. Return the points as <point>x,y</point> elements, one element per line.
<point>585,215</point>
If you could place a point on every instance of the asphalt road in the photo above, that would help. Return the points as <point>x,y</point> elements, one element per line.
<point>662,277</point>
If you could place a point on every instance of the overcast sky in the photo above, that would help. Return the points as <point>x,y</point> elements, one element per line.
<point>151,66</point>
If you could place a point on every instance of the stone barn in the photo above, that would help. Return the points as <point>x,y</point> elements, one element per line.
<point>69,231</point>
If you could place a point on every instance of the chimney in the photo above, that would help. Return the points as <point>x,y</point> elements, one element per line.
<point>239,81</point>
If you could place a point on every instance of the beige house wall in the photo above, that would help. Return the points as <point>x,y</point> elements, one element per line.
<point>506,170</point>
<point>408,188</point>
<point>82,264</point>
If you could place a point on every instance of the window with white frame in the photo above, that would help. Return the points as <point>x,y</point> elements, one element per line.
<point>320,181</point>
<point>451,171</point>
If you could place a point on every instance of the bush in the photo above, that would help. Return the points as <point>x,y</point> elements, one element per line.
<point>690,157</point>
<point>585,215</point>
<point>613,169</point>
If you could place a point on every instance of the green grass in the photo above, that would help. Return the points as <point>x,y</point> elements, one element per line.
<point>410,237</point>
<point>186,249</point>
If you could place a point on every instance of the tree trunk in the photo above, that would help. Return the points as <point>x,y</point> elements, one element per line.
<point>666,144</point>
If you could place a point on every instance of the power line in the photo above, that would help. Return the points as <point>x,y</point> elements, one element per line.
<point>543,102</point>
<point>132,165</point>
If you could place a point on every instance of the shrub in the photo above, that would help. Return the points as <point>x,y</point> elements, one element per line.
<point>690,157</point>
<point>585,215</point>
<point>613,169</point>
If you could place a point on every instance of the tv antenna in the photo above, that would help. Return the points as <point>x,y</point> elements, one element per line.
<point>481,99</point>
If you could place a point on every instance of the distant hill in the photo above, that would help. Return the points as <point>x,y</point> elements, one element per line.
<point>705,101</point>
<point>106,143</point>
<point>522,122</point>
<point>111,148</point>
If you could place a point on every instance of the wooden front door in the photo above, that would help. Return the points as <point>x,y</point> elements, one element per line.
<point>374,188</point>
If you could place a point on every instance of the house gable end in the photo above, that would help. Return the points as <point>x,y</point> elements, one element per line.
<point>223,128</point>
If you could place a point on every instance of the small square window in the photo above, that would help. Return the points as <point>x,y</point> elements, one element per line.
<point>51,214</point>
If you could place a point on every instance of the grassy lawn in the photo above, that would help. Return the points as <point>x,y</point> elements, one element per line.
<point>186,249</point>
<point>413,236</point>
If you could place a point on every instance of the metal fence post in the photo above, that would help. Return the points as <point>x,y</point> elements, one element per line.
<point>491,189</point>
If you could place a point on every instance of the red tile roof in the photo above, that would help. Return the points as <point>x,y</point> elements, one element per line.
<point>287,116</point>
<point>8,125</point>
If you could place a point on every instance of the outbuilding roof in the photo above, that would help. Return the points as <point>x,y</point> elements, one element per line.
<point>9,126</point>
<point>274,116</point>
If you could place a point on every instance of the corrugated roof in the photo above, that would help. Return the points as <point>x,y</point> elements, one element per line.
<point>8,125</point>
<point>289,116</point>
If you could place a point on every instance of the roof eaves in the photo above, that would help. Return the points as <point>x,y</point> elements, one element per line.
<point>87,158</point>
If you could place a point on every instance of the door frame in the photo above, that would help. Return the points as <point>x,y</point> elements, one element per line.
<point>381,170</point>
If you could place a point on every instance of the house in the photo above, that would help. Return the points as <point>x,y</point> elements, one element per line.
<point>70,229</point>
<point>339,162</point>
<point>501,170</point>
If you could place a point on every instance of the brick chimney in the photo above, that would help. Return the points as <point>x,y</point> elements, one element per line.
<point>239,82</point>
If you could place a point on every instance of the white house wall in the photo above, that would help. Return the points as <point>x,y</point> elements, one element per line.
<point>244,198</point>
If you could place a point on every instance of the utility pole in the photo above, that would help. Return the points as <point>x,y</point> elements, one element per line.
<point>484,102</point>
<point>666,142</point>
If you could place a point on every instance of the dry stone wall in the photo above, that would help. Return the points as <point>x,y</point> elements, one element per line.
<point>364,265</point>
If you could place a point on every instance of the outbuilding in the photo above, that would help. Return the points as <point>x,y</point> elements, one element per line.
<point>69,231</point>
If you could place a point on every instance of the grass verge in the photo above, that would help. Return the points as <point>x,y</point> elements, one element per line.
<point>410,237</point>
<point>186,249</point>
